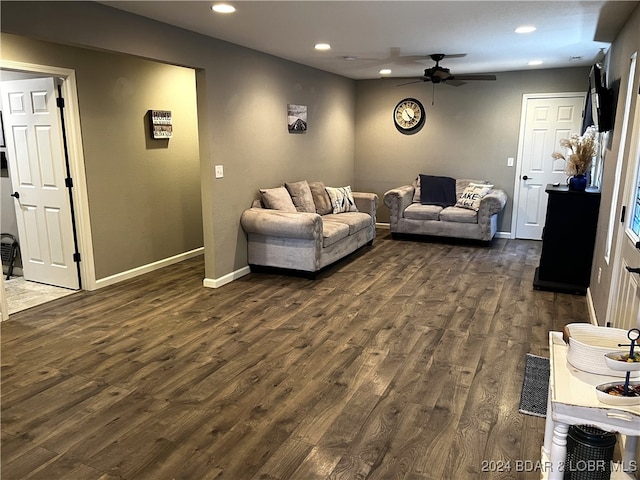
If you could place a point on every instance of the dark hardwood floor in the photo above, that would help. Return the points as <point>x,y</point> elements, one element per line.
<point>405,361</point>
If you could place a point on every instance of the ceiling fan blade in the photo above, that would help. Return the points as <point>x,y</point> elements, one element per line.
<point>454,82</point>
<point>473,77</point>
<point>454,55</point>
<point>414,81</point>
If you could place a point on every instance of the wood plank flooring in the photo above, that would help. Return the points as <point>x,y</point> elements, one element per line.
<point>404,361</point>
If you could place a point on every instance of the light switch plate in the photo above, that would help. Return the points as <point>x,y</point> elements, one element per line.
<point>219,171</point>
<point>510,162</point>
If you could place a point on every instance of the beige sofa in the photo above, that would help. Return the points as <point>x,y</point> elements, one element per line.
<point>303,233</point>
<point>476,220</point>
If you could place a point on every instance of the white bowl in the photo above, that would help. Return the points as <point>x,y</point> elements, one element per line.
<point>604,397</point>
<point>588,344</point>
<point>616,361</point>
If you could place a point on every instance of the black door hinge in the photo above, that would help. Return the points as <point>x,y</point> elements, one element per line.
<point>60,102</point>
<point>623,214</point>
<point>68,182</point>
<point>76,257</point>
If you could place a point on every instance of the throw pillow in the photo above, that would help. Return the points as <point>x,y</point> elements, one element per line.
<point>435,190</point>
<point>342,199</point>
<point>301,196</point>
<point>320,198</point>
<point>277,199</point>
<point>416,190</point>
<point>472,196</point>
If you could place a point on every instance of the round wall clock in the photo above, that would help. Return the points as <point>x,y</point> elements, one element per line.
<point>409,115</point>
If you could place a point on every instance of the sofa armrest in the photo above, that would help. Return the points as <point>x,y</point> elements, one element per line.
<point>367,203</point>
<point>397,199</point>
<point>276,223</point>
<point>492,203</point>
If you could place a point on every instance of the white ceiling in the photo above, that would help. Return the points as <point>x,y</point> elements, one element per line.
<point>401,34</point>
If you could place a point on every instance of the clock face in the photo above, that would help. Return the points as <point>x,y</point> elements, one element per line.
<point>409,115</point>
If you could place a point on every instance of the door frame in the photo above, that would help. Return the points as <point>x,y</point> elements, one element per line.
<point>630,150</point>
<point>518,173</point>
<point>76,165</point>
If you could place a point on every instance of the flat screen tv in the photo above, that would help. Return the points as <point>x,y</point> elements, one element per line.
<point>601,100</point>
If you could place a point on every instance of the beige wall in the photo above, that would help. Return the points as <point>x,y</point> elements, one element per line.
<point>144,194</point>
<point>470,131</point>
<point>242,112</point>
<point>627,43</point>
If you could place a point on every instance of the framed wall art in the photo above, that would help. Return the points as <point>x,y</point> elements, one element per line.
<point>297,118</point>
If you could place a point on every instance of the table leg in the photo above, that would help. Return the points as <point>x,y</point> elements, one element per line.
<point>629,454</point>
<point>558,455</point>
<point>548,427</point>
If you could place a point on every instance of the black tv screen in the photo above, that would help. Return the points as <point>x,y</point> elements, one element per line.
<point>601,100</point>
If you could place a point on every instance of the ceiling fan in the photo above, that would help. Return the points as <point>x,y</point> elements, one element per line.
<point>439,74</point>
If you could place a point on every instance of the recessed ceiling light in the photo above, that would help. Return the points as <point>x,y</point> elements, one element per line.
<point>223,8</point>
<point>385,71</point>
<point>322,46</point>
<point>534,62</point>
<point>525,29</point>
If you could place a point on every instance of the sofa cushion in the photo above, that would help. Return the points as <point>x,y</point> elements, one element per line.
<point>301,196</point>
<point>277,199</point>
<point>320,198</point>
<point>333,232</point>
<point>458,215</point>
<point>437,190</point>
<point>342,199</point>
<point>355,221</point>
<point>473,195</point>
<point>417,211</point>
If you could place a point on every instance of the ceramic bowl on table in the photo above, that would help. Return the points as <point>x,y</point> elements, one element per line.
<point>605,395</point>
<point>621,361</point>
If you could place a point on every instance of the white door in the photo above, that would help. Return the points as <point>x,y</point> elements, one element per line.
<point>38,171</point>
<point>545,121</point>
<point>625,294</point>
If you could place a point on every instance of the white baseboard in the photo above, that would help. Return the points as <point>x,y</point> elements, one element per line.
<point>119,277</point>
<point>503,235</point>
<point>228,278</point>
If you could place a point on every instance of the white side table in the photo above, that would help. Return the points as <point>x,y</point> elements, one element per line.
<point>573,401</point>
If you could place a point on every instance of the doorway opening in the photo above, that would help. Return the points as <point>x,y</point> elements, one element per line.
<point>39,292</point>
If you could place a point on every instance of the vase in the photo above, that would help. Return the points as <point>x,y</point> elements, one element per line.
<point>578,183</point>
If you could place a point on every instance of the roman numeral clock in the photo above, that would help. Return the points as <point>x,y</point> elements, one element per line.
<point>409,116</point>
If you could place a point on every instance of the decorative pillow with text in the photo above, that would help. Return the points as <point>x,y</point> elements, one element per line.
<point>472,196</point>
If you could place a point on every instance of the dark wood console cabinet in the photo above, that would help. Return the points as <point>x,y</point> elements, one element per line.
<point>568,240</point>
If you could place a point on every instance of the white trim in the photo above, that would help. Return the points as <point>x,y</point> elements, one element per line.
<point>4,307</point>
<point>518,172</point>
<point>134,272</point>
<point>592,311</point>
<point>76,161</point>
<point>228,278</point>
<point>613,250</point>
<point>383,225</point>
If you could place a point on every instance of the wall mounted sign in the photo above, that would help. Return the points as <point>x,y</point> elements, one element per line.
<point>297,118</point>
<point>161,124</point>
